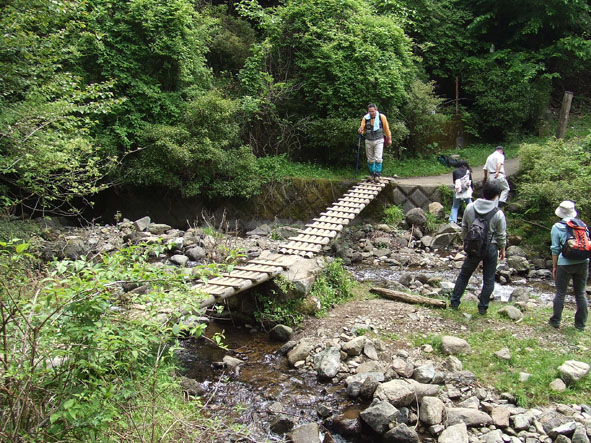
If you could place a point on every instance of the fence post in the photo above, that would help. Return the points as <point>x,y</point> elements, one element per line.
<point>564,111</point>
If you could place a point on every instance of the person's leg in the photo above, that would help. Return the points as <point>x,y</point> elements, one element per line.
<point>562,278</point>
<point>378,153</point>
<point>468,267</point>
<point>489,268</point>
<point>370,152</point>
<point>453,216</point>
<point>579,284</point>
<point>504,189</point>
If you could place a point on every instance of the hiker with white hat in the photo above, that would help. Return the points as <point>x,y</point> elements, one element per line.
<point>564,268</point>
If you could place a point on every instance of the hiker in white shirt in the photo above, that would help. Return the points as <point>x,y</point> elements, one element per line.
<point>495,167</point>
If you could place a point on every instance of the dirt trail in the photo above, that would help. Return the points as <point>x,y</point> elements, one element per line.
<point>511,168</point>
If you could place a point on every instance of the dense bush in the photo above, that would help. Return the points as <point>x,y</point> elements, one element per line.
<point>555,172</point>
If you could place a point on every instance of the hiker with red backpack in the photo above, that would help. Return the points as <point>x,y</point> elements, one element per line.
<point>571,249</point>
<point>484,230</point>
<point>462,179</point>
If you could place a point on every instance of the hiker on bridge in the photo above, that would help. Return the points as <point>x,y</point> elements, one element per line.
<point>564,269</point>
<point>462,179</point>
<point>495,167</point>
<point>483,212</point>
<point>374,126</point>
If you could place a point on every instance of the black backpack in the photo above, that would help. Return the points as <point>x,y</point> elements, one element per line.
<point>577,245</point>
<point>476,240</point>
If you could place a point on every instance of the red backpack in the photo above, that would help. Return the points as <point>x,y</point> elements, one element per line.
<point>577,245</point>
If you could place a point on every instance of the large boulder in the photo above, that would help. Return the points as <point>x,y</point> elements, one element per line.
<point>416,217</point>
<point>454,345</point>
<point>571,371</point>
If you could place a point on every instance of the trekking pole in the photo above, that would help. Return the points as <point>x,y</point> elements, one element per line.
<point>358,149</point>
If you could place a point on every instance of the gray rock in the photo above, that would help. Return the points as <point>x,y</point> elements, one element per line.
<point>308,433</point>
<point>196,253</point>
<point>379,415</point>
<point>551,420</point>
<point>262,231</point>
<point>300,351</point>
<point>416,217</point>
<point>564,429</point>
<point>281,424</point>
<point>454,345</point>
<point>402,367</point>
<point>453,364</point>
<point>520,264</point>
<point>512,312</point>
<point>231,362</point>
<point>495,436</point>
<point>457,433</point>
<point>368,388</point>
<point>580,434</point>
<point>158,228</point>
<point>436,209</point>
<point>442,241</point>
<point>431,411</point>
<point>355,382</point>
<point>179,259</point>
<point>397,392</point>
<point>328,362</point>
<point>519,295</point>
<point>571,371</point>
<point>558,385</point>
<point>191,386</point>
<point>369,350</point>
<point>449,228</point>
<point>469,416</point>
<point>500,416</point>
<point>503,354</point>
<point>470,402</point>
<point>516,251</point>
<point>355,346</point>
<point>401,434</point>
<point>424,373</point>
<point>142,224</point>
<point>281,333</point>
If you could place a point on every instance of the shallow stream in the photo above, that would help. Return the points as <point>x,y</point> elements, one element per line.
<point>249,394</point>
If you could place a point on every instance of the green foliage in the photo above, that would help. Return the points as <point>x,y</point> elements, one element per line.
<point>199,155</point>
<point>510,91</point>
<point>393,215</point>
<point>48,153</point>
<point>553,172</point>
<point>423,117</point>
<point>78,358</point>
<point>447,195</point>
<point>333,286</point>
<point>274,308</point>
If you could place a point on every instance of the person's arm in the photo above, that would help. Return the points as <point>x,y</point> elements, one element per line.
<point>499,164</point>
<point>555,247</point>
<point>386,129</point>
<point>554,265</point>
<point>485,172</point>
<point>500,229</point>
<point>361,129</point>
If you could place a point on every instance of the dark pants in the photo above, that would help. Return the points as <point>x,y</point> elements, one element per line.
<point>489,267</point>
<point>564,273</point>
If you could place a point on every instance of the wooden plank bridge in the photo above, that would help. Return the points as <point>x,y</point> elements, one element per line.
<point>309,241</point>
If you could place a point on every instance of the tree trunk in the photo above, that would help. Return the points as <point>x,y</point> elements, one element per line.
<point>408,298</point>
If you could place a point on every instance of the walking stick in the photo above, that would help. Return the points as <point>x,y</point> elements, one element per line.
<point>358,149</point>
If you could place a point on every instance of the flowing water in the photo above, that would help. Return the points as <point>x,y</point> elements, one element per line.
<point>249,394</point>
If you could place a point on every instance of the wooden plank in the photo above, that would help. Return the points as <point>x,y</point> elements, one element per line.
<point>344,210</point>
<point>358,206</point>
<point>304,247</point>
<point>326,226</point>
<point>324,241</point>
<point>259,268</point>
<point>333,220</point>
<point>339,214</point>
<point>255,277</point>
<point>364,201</point>
<point>350,206</point>
<point>319,232</point>
<point>268,263</point>
<point>228,283</point>
<point>214,290</point>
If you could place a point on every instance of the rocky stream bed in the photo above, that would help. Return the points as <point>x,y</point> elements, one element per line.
<point>353,376</point>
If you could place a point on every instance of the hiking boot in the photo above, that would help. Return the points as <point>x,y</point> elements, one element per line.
<point>554,325</point>
<point>482,311</point>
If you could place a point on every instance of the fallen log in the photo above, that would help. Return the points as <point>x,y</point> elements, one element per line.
<point>408,298</point>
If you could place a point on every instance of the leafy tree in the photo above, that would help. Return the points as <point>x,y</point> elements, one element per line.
<point>325,60</point>
<point>201,154</point>
<point>49,157</point>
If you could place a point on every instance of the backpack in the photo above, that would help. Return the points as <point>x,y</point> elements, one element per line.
<point>465,182</point>
<point>476,240</point>
<point>577,245</point>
